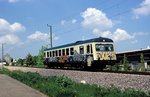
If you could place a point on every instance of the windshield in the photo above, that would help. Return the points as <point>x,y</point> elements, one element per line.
<point>104,47</point>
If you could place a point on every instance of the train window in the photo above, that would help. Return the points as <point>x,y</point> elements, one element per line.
<point>67,51</point>
<point>56,52</point>
<point>91,49</point>
<point>109,47</point>
<point>71,51</point>
<point>81,49</point>
<point>88,49</point>
<point>53,53</point>
<point>100,47</point>
<point>47,54</point>
<point>63,52</point>
<point>104,47</point>
<point>59,52</point>
<point>50,54</point>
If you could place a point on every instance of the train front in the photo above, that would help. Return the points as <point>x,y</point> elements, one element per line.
<point>104,54</point>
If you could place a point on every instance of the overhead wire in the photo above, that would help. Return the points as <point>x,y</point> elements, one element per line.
<point>119,3</point>
<point>79,28</point>
<point>73,16</point>
<point>118,14</point>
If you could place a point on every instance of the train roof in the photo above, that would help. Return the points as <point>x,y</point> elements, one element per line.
<point>99,39</point>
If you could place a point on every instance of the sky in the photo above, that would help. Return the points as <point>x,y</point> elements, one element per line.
<point>23,23</point>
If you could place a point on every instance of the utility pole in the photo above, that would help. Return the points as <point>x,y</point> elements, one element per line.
<point>50,33</point>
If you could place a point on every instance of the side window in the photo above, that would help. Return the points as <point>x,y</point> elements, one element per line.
<point>81,49</point>
<point>47,54</point>
<point>56,52</point>
<point>88,49</point>
<point>91,48</point>
<point>50,54</point>
<point>71,51</point>
<point>53,53</point>
<point>63,52</point>
<point>67,51</point>
<point>59,52</point>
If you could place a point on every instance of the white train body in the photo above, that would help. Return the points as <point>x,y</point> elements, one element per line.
<point>95,53</point>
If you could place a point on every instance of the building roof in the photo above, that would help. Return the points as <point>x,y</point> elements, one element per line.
<point>133,51</point>
<point>99,39</point>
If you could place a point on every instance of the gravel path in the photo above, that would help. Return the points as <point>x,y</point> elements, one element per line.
<point>100,78</point>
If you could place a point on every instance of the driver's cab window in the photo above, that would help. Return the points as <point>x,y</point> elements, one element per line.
<point>81,49</point>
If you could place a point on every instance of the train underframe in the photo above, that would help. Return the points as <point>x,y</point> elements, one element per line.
<point>96,64</point>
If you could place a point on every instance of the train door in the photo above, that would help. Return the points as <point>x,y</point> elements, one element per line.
<point>89,49</point>
<point>89,55</point>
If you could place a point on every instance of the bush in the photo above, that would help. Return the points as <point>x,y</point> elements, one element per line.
<point>20,62</point>
<point>65,87</point>
<point>115,67</point>
<point>115,92</point>
<point>133,93</point>
<point>64,81</point>
<point>66,94</point>
<point>5,71</point>
<point>29,60</point>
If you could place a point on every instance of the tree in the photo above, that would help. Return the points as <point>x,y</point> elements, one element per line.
<point>20,61</point>
<point>40,57</point>
<point>29,60</point>
<point>35,58</point>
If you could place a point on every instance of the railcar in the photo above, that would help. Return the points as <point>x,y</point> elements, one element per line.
<point>92,53</point>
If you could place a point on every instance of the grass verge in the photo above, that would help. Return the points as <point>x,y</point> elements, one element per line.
<point>65,87</point>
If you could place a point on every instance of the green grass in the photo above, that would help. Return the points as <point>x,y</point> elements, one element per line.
<point>65,87</point>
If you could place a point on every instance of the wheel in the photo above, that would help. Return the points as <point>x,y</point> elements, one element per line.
<point>82,67</point>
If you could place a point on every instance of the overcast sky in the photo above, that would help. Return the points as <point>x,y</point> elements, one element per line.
<point>23,23</point>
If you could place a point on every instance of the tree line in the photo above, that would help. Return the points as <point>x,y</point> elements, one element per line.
<point>36,61</point>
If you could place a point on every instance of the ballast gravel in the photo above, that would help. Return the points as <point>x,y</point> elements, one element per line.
<point>139,82</point>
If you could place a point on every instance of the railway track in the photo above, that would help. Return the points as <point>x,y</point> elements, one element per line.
<point>106,78</point>
<point>127,72</point>
<point>105,71</point>
<point>110,71</point>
